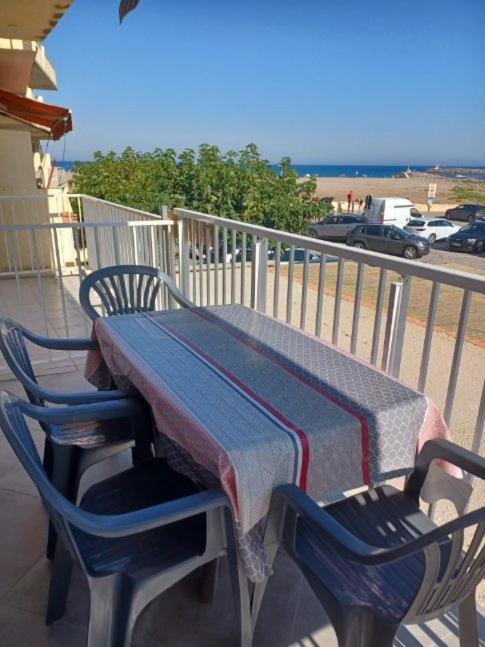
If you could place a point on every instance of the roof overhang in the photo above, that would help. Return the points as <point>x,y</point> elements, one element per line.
<point>22,113</point>
<point>32,20</point>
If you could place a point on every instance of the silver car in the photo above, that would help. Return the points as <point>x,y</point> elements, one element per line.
<point>335,228</point>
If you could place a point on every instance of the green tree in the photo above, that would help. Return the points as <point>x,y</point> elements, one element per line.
<point>239,185</point>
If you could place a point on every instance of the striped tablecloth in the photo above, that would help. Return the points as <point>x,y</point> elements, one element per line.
<point>258,404</point>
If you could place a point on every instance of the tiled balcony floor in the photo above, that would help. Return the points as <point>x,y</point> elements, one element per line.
<point>290,614</point>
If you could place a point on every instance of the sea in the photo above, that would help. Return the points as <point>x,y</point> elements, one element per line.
<point>344,170</point>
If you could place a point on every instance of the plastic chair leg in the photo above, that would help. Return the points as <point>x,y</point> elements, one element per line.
<point>65,478</point>
<point>240,590</point>
<point>59,584</point>
<point>208,582</point>
<point>111,618</point>
<point>47,460</point>
<point>467,621</point>
<point>360,627</point>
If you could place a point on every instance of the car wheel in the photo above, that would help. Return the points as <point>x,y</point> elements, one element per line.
<point>410,252</point>
<point>471,218</point>
<point>313,233</point>
<point>432,239</point>
<point>359,244</point>
<point>480,246</point>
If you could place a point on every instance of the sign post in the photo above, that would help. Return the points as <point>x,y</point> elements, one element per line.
<point>431,194</point>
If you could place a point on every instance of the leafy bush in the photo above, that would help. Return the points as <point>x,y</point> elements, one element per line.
<point>238,185</point>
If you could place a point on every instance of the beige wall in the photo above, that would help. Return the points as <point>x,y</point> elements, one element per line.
<point>16,165</point>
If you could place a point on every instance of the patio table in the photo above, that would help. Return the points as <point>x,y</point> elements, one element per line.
<point>254,403</point>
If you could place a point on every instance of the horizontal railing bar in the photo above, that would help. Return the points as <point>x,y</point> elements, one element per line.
<point>456,278</point>
<point>83,225</point>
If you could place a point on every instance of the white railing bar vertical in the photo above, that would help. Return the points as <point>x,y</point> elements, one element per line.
<point>216,264</point>
<point>391,322</point>
<point>116,246</point>
<point>224,265</point>
<point>338,301</point>
<point>208,269</point>
<point>243,267</point>
<point>256,258</point>
<point>61,282</point>
<point>17,282</point>
<point>289,287</point>
<point>479,428</point>
<point>304,289</point>
<point>321,295</point>
<point>428,336</point>
<point>262,275</point>
<point>39,284</point>
<point>378,315</point>
<point>233,266</point>
<point>455,364</point>
<point>356,313</point>
<point>397,340</point>
<point>276,287</point>
<point>193,246</point>
<point>201,261</point>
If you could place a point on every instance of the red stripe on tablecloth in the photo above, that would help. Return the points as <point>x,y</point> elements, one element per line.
<point>254,345</point>
<point>276,414</point>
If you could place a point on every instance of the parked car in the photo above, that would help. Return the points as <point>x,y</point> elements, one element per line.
<point>431,228</point>
<point>388,239</point>
<point>335,228</point>
<point>391,211</point>
<point>469,239</point>
<point>466,212</point>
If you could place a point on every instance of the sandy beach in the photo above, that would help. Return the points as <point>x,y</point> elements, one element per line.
<point>415,188</point>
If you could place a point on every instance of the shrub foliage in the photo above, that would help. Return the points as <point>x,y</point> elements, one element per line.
<point>238,185</point>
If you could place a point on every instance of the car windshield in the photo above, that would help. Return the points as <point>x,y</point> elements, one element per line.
<point>474,226</point>
<point>416,223</point>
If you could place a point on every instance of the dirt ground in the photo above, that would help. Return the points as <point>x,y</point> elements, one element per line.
<point>449,305</point>
<point>415,188</point>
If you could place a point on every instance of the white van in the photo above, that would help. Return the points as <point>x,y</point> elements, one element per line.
<point>391,211</point>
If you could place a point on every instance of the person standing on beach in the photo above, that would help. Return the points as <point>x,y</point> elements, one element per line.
<point>349,200</point>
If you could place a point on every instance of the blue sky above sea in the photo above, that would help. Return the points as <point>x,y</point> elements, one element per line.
<point>320,82</point>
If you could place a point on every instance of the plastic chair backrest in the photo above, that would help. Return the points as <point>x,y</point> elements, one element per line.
<point>14,351</point>
<point>126,289</point>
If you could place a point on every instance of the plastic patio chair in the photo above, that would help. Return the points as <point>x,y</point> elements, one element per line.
<point>71,448</point>
<point>126,289</point>
<point>134,534</point>
<point>375,561</point>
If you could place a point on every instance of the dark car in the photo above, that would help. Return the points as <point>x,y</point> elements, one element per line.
<point>388,239</point>
<point>335,228</point>
<point>469,239</point>
<point>466,212</point>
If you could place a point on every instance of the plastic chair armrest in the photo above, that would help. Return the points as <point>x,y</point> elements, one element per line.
<point>350,546</point>
<point>104,410</point>
<point>445,450</point>
<point>131,523</point>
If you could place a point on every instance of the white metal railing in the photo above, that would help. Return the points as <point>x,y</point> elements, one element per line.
<point>227,261</point>
<point>42,264</point>
<point>217,261</point>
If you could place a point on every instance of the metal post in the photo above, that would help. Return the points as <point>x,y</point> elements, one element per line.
<point>183,258</point>
<point>255,272</point>
<point>392,308</point>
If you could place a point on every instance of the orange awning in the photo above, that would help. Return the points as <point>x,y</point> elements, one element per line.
<point>54,120</point>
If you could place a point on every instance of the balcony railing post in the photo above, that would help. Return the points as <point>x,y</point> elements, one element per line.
<point>183,257</point>
<point>394,293</point>
<point>262,276</point>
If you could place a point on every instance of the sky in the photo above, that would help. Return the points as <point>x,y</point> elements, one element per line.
<point>331,82</point>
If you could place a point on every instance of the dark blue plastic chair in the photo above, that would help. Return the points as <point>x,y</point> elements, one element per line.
<point>375,561</point>
<point>134,534</point>
<point>126,289</point>
<point>71,448</point>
